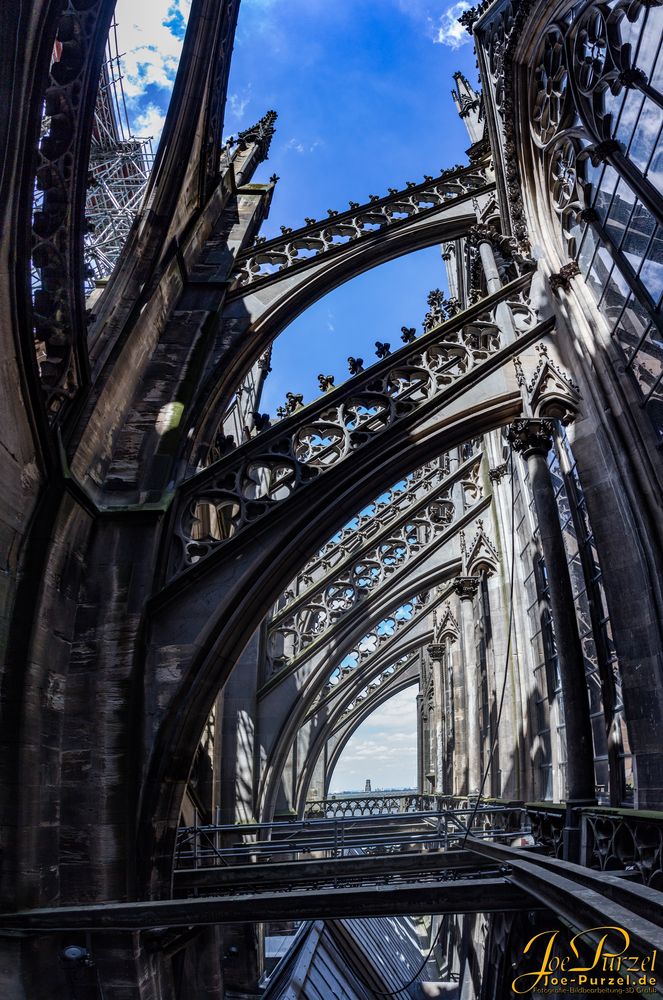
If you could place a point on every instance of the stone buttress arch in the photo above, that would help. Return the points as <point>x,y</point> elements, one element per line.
<point>400,683</point>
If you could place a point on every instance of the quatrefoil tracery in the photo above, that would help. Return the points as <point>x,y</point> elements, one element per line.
<point>295,248</point>
<point>371,520</point>
<point>337,596</point>
<point>238,490</point>
<point>374,642</point>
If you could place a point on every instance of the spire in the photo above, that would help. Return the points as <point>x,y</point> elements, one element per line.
<point>261,134</point>
<point>468,104</point>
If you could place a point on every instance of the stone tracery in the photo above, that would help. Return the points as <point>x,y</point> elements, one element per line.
<point>89,557</point>
<point>278,463</point>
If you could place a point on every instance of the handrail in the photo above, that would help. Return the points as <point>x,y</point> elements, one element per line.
<point>229,844</point>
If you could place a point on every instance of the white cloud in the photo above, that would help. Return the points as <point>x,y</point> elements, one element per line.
<point>448,30</point>
<point>300,147</point>
<point>149,122</point>
<point>150,35</point>
<point>238,103</point>
<point>383,749</point>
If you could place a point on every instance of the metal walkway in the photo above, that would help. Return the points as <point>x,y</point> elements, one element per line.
<point>449,861</point>
<point>220,846</point>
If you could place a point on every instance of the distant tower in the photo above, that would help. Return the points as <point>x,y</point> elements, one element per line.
<point>468,104</point>
<point>367,787</point>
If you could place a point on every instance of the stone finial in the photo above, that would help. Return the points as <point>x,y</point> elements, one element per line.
<point>261,134</point>
<point>294,401</point>
<point>436,309</point>
<point>261,421</point>
<point>469,17</point>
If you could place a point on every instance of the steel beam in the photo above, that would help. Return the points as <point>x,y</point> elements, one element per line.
<point>315,871</point>
<point>487,895</point>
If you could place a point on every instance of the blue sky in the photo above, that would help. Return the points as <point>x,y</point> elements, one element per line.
<point>383,749</point>
<point>362,91</point>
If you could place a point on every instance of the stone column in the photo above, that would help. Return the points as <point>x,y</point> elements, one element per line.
<point>503,313</point>
<point>457,746</point>
<point>421,770</point>
<point>493,280</point>
<point>440,654</point>
<point>436,653</point>
<point>466,588</point>
<point>425,722</point>
<point>533,439</point>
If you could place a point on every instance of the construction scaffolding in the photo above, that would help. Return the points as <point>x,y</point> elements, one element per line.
<point>120,165</point>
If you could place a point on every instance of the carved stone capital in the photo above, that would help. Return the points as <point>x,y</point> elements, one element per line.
<point>588,215</point>
<point>482,233</point>
<point>496,474</point>
<point>466,587</point>
<point>632,77</point>
<point>600,151</point>
<point>562,279</point>
<point>531,437</point>
<point>436,650</point>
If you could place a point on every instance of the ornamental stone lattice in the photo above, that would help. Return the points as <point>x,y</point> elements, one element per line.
<point>239,490</point>
<point>319,238</point>
<point>377,684</point>
<point>373,643</point>
<point>311,615</point>
<point>371,520</point>
<point>57,283</point>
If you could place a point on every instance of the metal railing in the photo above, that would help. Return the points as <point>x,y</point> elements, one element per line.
<point>422,831</point>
